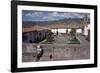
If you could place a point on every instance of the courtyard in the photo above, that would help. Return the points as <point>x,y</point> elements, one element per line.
<point>55,36</point>
<point>58,50</point>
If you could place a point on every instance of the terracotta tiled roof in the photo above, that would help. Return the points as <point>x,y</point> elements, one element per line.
<point>33,28</point>
<point>52,26</point>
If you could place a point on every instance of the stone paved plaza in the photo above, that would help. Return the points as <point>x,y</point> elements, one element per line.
<point>58,50</point>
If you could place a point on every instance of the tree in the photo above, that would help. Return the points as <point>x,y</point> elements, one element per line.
<point>73,31</point>
<point>50,37</point>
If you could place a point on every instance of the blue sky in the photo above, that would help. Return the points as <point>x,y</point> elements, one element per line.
<point>31,15</point>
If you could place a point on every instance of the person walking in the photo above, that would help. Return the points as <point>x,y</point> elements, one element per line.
<point>39,52</point>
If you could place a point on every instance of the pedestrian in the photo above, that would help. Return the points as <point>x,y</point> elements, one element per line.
<point>39,52</point>
<point>50,56</point>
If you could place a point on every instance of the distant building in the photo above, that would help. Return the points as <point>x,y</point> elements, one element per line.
<point>37,33</point>
<point>34,36</point>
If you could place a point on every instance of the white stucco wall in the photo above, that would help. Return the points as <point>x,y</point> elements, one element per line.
<point>60,30</point>
<point>78,30</point>
<point>86,30</point>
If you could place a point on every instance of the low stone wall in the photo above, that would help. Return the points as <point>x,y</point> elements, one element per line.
<point>56,51</point>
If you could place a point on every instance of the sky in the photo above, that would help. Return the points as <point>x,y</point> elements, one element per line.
<point>31,15</point>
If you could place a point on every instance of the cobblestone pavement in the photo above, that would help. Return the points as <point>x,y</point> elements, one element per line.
<point>59,50</point>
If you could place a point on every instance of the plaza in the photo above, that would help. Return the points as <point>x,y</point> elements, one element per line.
<point>57,40</point>
<point>60,51</point>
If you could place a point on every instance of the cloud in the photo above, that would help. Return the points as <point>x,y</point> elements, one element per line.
<point>28,14</point>
<point>33,14</point>
<point>36,14</point>
<point>49,16</point>
<point>66,14</point>
<point>54,14</point>
<point>57,14</point>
